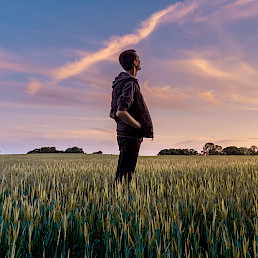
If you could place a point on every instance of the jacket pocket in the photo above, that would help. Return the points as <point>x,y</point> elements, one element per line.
<point>145,121</point>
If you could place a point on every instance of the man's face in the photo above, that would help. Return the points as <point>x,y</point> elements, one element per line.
<point>137,62</point>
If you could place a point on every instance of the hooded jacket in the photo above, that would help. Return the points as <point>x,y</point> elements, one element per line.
<point>127,96</point>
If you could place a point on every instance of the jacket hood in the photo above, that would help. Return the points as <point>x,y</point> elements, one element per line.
<point>121,77</point>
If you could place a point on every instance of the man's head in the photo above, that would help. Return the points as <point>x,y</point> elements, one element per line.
<point>128,59</point>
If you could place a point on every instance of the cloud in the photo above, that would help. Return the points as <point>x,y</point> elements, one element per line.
<point>205,67</point>
<point>213,63</point>
<point>5,65</point>
<point>95,133</point>
<point>241,9</point>
<point>166,96</point>
<point>199,142</point>
<point>56,95</point>
<point>237,141</point>
<point>216,76</point>
<point>223,11</point>
<point>94,80</point>
<point>251,101</point>
<point>21,133</point>
<point>116,44</point>
<point>33,86</point>
<point>15,63</point>
<point>195,143</point>
<point>209,96</point>
<point>44,92</point>
<point>181,98</point>
<point>242,2</point>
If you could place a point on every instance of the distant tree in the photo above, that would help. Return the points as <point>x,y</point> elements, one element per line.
<point>168,152</point>
<point>97,152</point>
<point>208,147</point>
<point>253,150</point>
<point>244,151</point>
<point>193,152</point>
<point>44,150</point>
<point>178,152</point>
<point>164,152</point>
<point>232,150</point>
<point>212,149</point>
<point>74,150</point>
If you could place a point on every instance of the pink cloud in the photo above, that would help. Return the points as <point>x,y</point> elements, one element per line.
<point>20,133</point>
<point>33,86</point>
<point>228,11</point>
<point>210,97</point>
<point>15,63</point>
<point>204,67</point>
<point>165,96</point>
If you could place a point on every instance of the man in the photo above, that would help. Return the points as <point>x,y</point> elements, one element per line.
<point>131,114</point>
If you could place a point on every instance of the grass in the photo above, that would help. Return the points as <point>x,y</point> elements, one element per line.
<point>176,206</point>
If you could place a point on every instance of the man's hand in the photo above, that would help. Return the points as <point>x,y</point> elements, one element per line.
<point>112,115</point>
<point>128,119</point>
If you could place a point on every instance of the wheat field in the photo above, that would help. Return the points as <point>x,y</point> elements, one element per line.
<point>63,205</point>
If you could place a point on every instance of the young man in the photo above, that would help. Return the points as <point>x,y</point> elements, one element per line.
<point>131,114</point>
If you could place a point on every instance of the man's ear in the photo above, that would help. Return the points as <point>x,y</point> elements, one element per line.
<point>134,62</point>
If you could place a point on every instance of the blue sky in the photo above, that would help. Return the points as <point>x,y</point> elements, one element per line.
<point>58,60</point>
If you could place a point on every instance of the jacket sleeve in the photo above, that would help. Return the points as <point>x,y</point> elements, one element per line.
<point>111,109</point>
<point>125,100</point>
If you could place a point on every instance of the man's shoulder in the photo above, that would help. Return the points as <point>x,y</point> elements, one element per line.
<point>123,81</point>
<point>129,82</point>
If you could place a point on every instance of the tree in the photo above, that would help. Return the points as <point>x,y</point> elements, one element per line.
<point>232,150</point>
<point>253,150</point>
<point>74,150</point>
<point>44,150</point>
<point>244,151</point>
<point>193,152</point>
<point>178,152</point>
<point>97,152</point>
<point>212,149</point>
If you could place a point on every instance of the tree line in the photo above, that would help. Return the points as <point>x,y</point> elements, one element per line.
<point>54,150</point>
<point>208,149</point>
<point>213,149</point>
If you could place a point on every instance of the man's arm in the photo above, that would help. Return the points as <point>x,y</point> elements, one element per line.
<point>128,119</point>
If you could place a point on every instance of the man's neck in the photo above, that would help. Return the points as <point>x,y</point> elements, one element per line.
<point>132,72</point>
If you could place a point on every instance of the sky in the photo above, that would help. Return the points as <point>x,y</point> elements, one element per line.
<point>58,59</point>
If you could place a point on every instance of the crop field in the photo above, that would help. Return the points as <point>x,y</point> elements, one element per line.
<point>64,205</point>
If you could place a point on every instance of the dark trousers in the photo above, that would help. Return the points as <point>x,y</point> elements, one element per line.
<point>129,150</point>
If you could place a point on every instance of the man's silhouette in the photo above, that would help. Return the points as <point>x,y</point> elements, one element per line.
<point>131,114</point>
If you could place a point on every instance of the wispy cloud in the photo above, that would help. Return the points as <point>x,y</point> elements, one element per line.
<point>199,142</point>
<point>213,63</point>
<point>12,62</point>
<point>166,96</point>
<point>241,9</point>
<point>116,44</point>
<point>237,141</point>
<point>33,86</point>
<point>21,133</point>
<point>209,96</point>
<point>206,68</point>
<point>56,95</point>
<point>250,101</point>
<point>11,66</point>
<point>228,11</point>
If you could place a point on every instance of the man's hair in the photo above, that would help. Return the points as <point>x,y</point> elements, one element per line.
<point>126,59</point>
